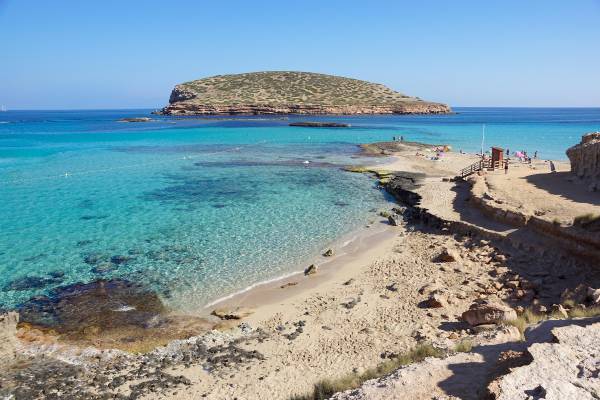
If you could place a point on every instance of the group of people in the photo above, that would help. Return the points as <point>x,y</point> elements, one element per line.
<point>522,155</point>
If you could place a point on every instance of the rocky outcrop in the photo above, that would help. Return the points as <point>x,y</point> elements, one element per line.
<point>487,312</point>
<point>190,108</point>
<point>310,270</point>
<point>8,339</point>
<point>567,369</point>
<point>585,160</point>
<point>289,92</point>
<point>232,312</point>
<point>319,124</point>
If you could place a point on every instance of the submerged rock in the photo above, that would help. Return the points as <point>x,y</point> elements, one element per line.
<point>136,119</point>
<point>95,258</point>
<point>31,282</point>
<point>103,268</point>
<point>119,259</point>
<point>105,303</point>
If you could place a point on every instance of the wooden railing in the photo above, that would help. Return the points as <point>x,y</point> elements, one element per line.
<point>478,166</point>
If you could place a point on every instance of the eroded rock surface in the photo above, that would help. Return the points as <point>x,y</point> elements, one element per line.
<point>585,159</point>
<point>8,340</point>
<point>568,369</point>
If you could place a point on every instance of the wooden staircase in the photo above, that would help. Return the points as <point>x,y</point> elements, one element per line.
<point>479,166</point>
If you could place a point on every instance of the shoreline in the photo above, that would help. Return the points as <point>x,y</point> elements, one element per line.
<point>266,293</point>
<point>371,300</point>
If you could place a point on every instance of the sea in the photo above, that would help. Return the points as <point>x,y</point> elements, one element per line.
<point>196,209</point>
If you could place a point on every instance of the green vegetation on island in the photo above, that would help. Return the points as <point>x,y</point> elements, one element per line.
<point>285,92</point>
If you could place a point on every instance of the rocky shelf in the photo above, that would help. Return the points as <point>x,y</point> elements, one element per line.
<point>288,92</point>
<point>320,124</point>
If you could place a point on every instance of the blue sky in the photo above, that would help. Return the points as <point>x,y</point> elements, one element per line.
<point>128,54</point>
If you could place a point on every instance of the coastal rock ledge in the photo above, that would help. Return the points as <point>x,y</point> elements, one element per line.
<point>287,92</point>
<point>585,159</point>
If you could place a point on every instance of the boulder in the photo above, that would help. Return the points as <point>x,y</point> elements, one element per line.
<point>8,338</point>
<point>394,220</point>
<point>328,253</point>
<point>448,255</point>
<point>593,295</point>
<point>488,312</point>
<point>436,300</point>
<point>577,295</point>
<point>232,313</point>
<point>310,270</point>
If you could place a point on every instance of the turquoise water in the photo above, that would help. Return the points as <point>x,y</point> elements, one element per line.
<point>197,209</point>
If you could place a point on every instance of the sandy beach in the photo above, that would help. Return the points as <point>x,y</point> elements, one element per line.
<point>379,295</point>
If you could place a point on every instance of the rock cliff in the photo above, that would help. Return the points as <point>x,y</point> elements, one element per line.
<point>585,160</point>
<point>289,92</point>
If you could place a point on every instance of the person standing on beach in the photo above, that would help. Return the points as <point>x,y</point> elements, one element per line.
<point>535,155</point>
<point>507,152</point>
<point>505,167</point>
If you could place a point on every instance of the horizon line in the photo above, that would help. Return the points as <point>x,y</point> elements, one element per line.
<point>158,108</point>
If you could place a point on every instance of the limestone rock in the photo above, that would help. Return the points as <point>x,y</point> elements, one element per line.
<point>310,270</point>
<point>594,295</point>
<point>585,159</point>
<point>394,220</point>
<point>448,255</point>
<point>436,300</point>
<point>488,312</point>
<point>232,313</point>
<point>567,369</point>
<point>8,339</point>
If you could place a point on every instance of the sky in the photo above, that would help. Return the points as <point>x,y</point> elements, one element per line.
<point>64,54</point>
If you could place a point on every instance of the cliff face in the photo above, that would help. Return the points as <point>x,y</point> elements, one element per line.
<point>291,93</point>
<point>585,160</point>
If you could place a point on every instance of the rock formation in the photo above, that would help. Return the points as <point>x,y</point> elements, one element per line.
<point>567,369</point>
<point>585,160</point>
<point>8,339</point>
<point>288,92</point>
<point>487,312</point>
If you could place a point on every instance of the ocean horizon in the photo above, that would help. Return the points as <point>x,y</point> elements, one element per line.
<point>197,208</point>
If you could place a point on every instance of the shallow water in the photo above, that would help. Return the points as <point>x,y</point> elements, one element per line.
<point>196,209</point>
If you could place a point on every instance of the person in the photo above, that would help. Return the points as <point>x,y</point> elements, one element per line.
<point>507,152</point>
<point>402,138</point>
<point>505,167</point>
<point>535,155</point>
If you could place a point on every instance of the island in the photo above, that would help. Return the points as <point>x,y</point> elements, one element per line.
<point>289,92</point>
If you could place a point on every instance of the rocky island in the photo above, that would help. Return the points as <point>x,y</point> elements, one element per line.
<point>286,92</point>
